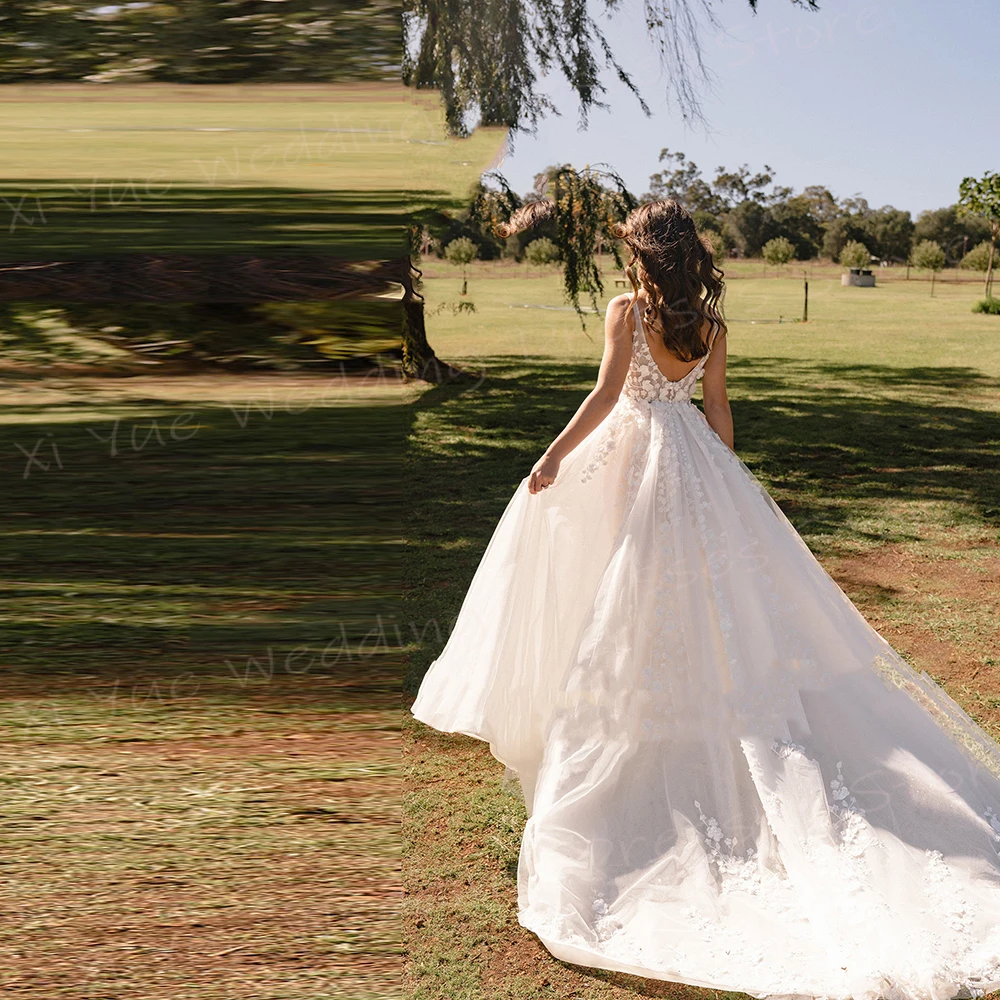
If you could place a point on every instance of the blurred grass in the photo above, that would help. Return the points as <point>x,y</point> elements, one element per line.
<point>200,671</point>
<point>97,170</point>
<point>327,137</point>
<point>200,575</point>
<point>68,220</point>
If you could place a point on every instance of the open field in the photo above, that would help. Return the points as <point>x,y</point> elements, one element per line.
<point>199,674</point>
<point>371,137</point>
<point>201,635</point>
<point>876,427</point>
<point>92,170</point>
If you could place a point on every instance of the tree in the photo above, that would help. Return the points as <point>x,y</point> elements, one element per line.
<point>982,197</point>
<point>717,244</point>
<point>683,184</point>
<point>928,256</point>
<point>978,258</point>
<point>484,59</point>
<point>795,220</point>
<point>886,231</point>
<point>581,209</point>
<point>778,251</point>
<point>541,252</point>
<point>855,255</point>
<point>841,231</point>
<point>889,232</point>
<point>200,41</point>
<point>749,226</point>
<point>822,205</point>
<point>462,252</point>
<point>734,187</point>
<point>956,233</point>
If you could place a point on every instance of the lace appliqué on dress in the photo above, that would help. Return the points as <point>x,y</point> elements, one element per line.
<point>646,383</point>
<point>738,872</point>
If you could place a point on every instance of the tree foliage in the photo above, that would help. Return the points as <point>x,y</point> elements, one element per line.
<point>717,242</point>
<point>485,58</point>
<point>462,252</point>
<point>200,41</point>
<point>580,206</point>
<point>928,256</point>
<point>855,254</point>
<point>778,251</point>
<point>750,209</point>
<point>982,197</point>
<point>541,252</point>
<point>889,232</point>
<point>978,258</point>
<point>956,233</point>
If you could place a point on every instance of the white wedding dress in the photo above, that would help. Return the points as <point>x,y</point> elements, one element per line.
<point>731,779</point>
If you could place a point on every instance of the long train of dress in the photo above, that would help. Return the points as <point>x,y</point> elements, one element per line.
<point>731,779</point>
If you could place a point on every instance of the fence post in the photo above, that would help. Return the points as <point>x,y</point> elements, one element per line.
<point>805,301</point>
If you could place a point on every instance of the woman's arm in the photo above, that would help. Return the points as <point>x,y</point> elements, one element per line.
<point>713,392</point>
<point>600,402</point>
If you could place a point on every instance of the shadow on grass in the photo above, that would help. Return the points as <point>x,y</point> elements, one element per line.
<point>159,539</point>
<point>79,219</point>
<point>832,442</point>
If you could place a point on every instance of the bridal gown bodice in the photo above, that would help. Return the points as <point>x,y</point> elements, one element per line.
<point>731,779</point>
<point>646,383</point>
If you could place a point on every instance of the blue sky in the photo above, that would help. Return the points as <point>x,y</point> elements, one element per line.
<point>896,101</point>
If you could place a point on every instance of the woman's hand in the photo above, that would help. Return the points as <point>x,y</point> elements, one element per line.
<point>543,475</point>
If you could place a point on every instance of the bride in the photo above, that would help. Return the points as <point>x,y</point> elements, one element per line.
<point>731,779</point>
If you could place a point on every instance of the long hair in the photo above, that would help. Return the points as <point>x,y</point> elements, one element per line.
<point>682,283</point>
<point>525,217</point>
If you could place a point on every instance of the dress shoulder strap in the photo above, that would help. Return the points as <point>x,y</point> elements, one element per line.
<point>637,329</point>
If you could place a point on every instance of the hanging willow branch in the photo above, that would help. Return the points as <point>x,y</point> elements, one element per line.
<point>583,207</point>
<point>485,58</point>
<point>491,208</point>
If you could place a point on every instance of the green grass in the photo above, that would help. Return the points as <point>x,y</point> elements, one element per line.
<point>374,137</point>
<point>200,668</point>
<point>88,171</point>
<point>875,426</point>
<point>200,575</point>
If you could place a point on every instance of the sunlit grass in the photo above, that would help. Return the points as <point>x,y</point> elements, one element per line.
<point>876,427</point>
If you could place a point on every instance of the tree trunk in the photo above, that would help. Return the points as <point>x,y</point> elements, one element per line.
<point>419,359</point>
<point>989,266</point>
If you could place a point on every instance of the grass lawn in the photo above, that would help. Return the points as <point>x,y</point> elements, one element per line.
<point>199,674</point>
<point>875,426</point>
<point>92,170</point>
<point>201,641</point>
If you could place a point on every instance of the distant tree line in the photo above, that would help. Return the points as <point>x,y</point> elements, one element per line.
<point>744,210</point>
<point>200,41</point>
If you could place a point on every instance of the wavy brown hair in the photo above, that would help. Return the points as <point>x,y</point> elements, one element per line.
<point>674,266</point>
<point>525,217</point>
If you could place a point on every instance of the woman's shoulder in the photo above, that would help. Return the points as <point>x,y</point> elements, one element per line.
<point>620,303</point>
<point>619,314</point>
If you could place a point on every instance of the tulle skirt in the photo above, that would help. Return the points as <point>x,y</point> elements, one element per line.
<point>731,779</point>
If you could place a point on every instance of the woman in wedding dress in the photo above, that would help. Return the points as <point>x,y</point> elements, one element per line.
<point>731,779</point>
